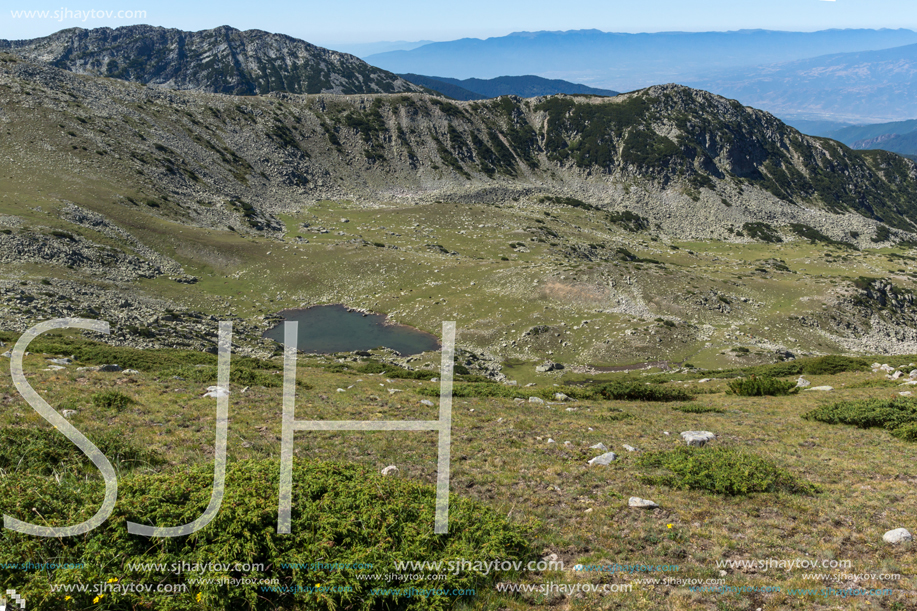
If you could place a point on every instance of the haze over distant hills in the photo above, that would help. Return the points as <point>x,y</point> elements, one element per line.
<point>861,87</point>
<point>221,60</point>
<point>843,76</point>
<point>365,49</point>
<point>523,86</point>
<point>898,137</point>
<point>624,62</point>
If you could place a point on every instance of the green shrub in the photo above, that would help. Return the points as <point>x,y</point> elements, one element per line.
<point>759,387</point>
<point>614,415</point>
<point>833,364</point>
<point>882,234</point>
<point>629,221</point>
<point>43,451</point>
<point>698,408</point>
<point>906,432</point>
<point>635,391</point>
<point>613,391</point>
<point>898,415</point>
<point>393,371</point>
<point>152,360</point>
<point>111,399</point>
<point>719,470</point>
<point>761,231</point>
<point>63,235</point>
<point>487,389</point>
<point>813,235</point>
<point>341,514</point>
<point>777,370</point>
<point>237,374</point>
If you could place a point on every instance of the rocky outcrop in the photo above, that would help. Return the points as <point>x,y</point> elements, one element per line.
<point>74,252</point>
<point>221,60</point>
<point>135,319</point>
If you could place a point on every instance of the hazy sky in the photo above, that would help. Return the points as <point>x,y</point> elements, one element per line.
<point>344,21</point>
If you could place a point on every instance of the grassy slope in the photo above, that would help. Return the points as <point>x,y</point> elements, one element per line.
<point>422,286</point>
<point>501,457</point>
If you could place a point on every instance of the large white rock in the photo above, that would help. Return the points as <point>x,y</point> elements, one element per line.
<point>636,501</point>
<point>604,459</point>
<point>390,470</point>
<point>899,535</point>
<point>802,382</point>
<point>537,400</point>
<point>697,438</point>
<point>821,388</point>
<point>216,392</point>
<point>599,446</point>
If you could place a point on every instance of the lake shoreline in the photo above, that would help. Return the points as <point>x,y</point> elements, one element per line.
<point>334,328</point>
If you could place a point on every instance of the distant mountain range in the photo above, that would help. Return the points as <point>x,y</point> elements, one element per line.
<point>364,49</point>
<point>221,60</point>
<point>860,87</point>
<point>815,127</point>
<point>625,62</point>
<point>898,137</point>
<point>523,86</point>
<point>845,76</point>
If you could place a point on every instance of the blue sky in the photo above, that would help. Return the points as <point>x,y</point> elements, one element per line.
<point>348,21</point>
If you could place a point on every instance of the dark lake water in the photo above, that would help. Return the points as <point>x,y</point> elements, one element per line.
<point>332,328</point>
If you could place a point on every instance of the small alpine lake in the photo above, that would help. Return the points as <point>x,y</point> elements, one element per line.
<point>335,328</point>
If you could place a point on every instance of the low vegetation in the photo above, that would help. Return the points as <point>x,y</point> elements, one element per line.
<point>613,391</point>
<point>346,512</point>
<point>898,415</point>
<point>45,452</point>
<point>238,374</point>
<point>395,522</point>
<point>719,470</point>
<point>698,408</point>
<point>111,399</point>
<point>759,387</point>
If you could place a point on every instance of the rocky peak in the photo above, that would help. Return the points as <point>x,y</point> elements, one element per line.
<point>221,60</point>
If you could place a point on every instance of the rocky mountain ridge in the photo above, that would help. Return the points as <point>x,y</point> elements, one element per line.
<point>221,60</point>
<point>692,164</point>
